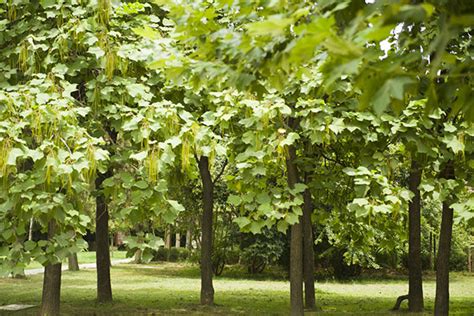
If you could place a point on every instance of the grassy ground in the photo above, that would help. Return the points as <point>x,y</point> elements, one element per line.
<point>84,257</point>
<point>173,288</point>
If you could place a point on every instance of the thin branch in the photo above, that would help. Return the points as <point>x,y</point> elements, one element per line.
<point>332,159</point>
<point>221,172</point>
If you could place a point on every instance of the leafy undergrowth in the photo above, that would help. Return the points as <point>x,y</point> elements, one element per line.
<point>173,288</point>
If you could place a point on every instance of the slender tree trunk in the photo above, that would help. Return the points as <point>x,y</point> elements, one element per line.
<point>308,251</point>
<point>73,264</point>
<point>104,288</point>
<point>189,237</point>
<point>296,245</point>
<point>138,257</point>
<point>178,240</point>
<point>51,283</point>
<point>30,230</point>
<point>442,262</point>
<point>207,289</point>
<point>431,251</point>
<point>415,287</point>
<point>469,259</point>
<point>168,237</point>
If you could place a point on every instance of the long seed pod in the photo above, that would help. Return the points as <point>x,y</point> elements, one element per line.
<point>11,11</point>
<point>103,14</point>
<point>110,64</point>
<point>23,56</point>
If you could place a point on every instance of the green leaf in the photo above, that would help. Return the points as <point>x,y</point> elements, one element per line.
<point>453,143</point>
<point>234,200</point>
<point>13,155</point>
<point>273,26</point>
<point>141,184</point>
<point>96,51</point>
<point>139,156</point>
<point>242,221</point>
<point>392,88</point>
<point>147,32</point>
<point>176,205</point>
<point>291,218</point>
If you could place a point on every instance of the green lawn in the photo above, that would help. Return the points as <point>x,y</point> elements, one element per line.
<point>173,288</point>
<point>84,257</point>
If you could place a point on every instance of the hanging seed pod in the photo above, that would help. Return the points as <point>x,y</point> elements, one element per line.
<point>23,56</point>
<point>6,148</point>
<point>11,11</point>
<point>122,65</point>
<point>103,14</point>
<point>185,153</point>
<point>110,63</point>
<point>151,164</point>
<point>89,173</point>
<point>63,48</point>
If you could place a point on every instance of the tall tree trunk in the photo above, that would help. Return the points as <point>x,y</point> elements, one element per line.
<point>207,289</point>
<point>308,251</point>
<point>30,230</point>
<point>51,283</point>
<point>168,237</point>
<point>431,251</point>
<point>296,245</point>
<point>189,237</point>
<point>415,288</point>
<point>138,257</point>
<point>104,288</point>
<point>442,262</point>
<point>73,264</point>
<point>178,240</point>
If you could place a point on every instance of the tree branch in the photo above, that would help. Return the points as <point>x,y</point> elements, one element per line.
<point>221,172</point>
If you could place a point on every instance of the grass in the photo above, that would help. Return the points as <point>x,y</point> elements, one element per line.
<point>173,288</point>
<point>84,257</point>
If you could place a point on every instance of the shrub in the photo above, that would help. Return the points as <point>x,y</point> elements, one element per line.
<point>173,254</point>
<point>161,254</point>
<point>183,254</point>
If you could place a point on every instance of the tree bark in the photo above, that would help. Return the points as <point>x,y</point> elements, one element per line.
<point>30,230</point>
<point>442,262</point>
<point>137,257</point>
<point>51,283</point>
<point>168,238</point>
<point>104,288</point>
<point>73,264</point>
<point>308,250</point>
<point>431,251</point>
<point>178,240</point>
<point>189,237</point>
<point>415,287</point>
<point>296,244</point>
<point>207,289</point>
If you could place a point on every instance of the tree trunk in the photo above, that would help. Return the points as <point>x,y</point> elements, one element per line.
<point>296,245</point>
<point>415,288</point>
<point>168,238</point>
<point>308,251</point>
<point>73,264</point>
<point>51,283</point>
<point>189,237</point>
<point>431,251</point>
<point>178,240</point>
<point>207,289</point>
<point>30,230</point>
<point>104,288</point>
<point>138,257</point>
<point>442,262</point>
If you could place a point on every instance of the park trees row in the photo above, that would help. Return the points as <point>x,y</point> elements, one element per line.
<point>289,103</point>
